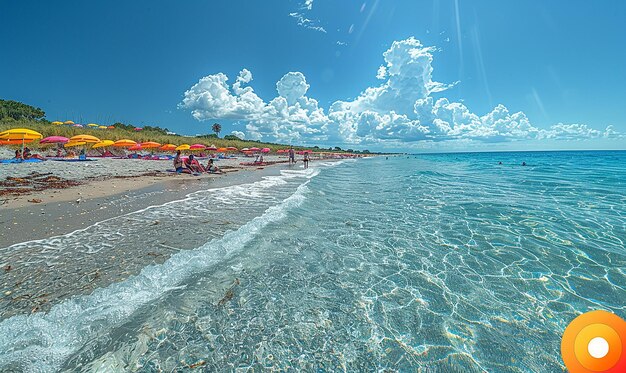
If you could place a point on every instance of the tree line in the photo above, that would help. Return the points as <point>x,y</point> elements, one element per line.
<point>18,110</point>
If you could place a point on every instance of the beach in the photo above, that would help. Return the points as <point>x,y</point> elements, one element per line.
<point>439,262</point>
<point>105,189</point>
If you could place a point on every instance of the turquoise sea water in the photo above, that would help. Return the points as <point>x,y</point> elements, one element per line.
<point>448,263</point>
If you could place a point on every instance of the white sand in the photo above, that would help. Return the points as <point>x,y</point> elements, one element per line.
<point>103,167</point>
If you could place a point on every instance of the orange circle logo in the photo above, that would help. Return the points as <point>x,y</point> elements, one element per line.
<point>595,342</point>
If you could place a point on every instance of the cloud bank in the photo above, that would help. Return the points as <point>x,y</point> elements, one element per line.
<point>398,112</point>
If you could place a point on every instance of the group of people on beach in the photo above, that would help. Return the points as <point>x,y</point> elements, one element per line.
<point>192,166</point>
<point>27,154</point>
<point>292,158</point>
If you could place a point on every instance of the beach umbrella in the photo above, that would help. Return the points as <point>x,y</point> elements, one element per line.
<point>135,147</point>
<point>138,128</point>
<point>197,147</point>
<point>124,143</point>
<point>57,123</point>
<point>183,147</point>
<point>22,134</point>
<point>168,147</point>
<point>254,149</point>
<point>54,140</point>
<point>211,148</point>
<point>111,127</point>
<point>92,125</point>
<point>150,144</point>
<point>102,127</point>
<point>103,143</point>
<point>16,141</point>
<point>85,138</point>
<point>265,150</point>
<point>78,125</point>
<point>68,122</point>
<point>245,149</point>
<point>222,150</point>
<point>74,143</point>
<point>232,149</point>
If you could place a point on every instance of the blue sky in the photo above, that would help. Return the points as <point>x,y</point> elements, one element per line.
<point>557,67</point>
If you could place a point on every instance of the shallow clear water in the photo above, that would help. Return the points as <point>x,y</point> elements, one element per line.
<point>442,262</point>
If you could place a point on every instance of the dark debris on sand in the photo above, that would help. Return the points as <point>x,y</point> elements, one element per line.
<point>15,186</point>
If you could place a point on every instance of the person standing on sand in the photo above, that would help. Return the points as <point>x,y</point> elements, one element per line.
<point>292,156</point>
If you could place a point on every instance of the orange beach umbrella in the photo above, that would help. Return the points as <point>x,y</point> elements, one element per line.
<point>168,147</point>
<point>16,141</point>
<point>150,144</point>
<point>124,143</point>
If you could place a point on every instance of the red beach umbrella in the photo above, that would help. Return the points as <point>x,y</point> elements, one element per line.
<point>197,147</point>
<point>54,140</point>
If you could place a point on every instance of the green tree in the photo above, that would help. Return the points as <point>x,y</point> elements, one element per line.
<point>232,137</point>
<point>217,128</point>
<point>18,110</point>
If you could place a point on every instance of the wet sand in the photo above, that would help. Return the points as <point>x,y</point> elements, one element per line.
<point>38,283</point>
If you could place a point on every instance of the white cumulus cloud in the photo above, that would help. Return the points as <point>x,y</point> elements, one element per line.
<point>401,110</point>
<point>239,134</point>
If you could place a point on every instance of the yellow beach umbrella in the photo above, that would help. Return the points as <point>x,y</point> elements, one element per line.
<point>124,143</point>
<point>20,134</point>
<point>103,127</point>
<point>103,144</point>
<point>92,125</point>
<point>57,123</point>
<point>85,138</point>
<point>183,147</point>
<point>74,143</point>
<point>68,122</point>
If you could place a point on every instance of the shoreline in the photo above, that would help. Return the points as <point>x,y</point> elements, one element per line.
<point>53,212</point>
<point>34,281</point>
